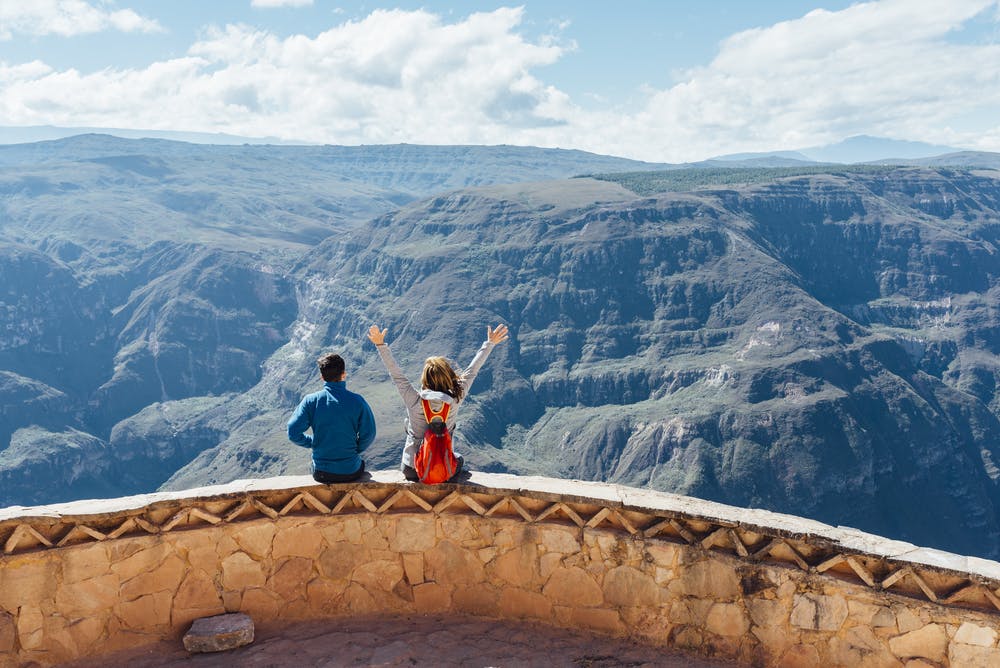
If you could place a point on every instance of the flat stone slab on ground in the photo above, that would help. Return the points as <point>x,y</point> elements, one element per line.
<point>219,633</point>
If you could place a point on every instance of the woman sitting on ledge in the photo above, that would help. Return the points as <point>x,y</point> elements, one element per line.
<point>439,385</point>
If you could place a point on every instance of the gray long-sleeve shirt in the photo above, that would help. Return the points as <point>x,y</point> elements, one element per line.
<point>416,424</point>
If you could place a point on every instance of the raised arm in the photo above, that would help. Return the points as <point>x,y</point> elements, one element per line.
<point>402,383</point>
<point>493,337</point>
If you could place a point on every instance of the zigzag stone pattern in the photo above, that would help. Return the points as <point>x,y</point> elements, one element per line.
<point>89,577</point>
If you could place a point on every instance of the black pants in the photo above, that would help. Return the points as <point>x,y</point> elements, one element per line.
<point>325,477</point>
<point>410,473</point>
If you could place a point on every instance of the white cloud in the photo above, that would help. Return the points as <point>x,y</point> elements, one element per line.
<point>892,68</point>
<point>280,3</point>
<point>67,18</point>
<point>393,76</point>
<point>883,68</point>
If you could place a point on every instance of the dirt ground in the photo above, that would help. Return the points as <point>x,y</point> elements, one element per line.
<point>415,641</point>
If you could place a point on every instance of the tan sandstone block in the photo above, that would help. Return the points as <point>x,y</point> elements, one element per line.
<point>519,566</point>
<point>680,614</point>
<point>60,645</point>
<point>866,614</point>
<point>291,577</point>
<point>27,582</point>
<point>166,576</point>
<point>142,560</point>
<point>378,575</point>
<point>519,603</point>
<point>764,612</point>
<point>699,608</point>
<point>573,587</point>
<point>124,548</point>
<point>628,586</point>
<point>591,619</point>
<point>324,596</point>
<point>353,532</point>
<point>87,634</point>
<point>973,634</point>
<point>663,576</point>
<point>302,540</point>
<point>511,533</point>
<point>299,609</point>
<point>727,619</point>
<point>359,601</point>
<point>403,590</point>
<point>375,539</point>
<point>197,547</point>
<point>860,647</point>
<point>255,537</point>
<point>663,554</point>
<point>460,529</point>
<point>447,563</point>
<point>8,631</point>
<point>818,612</point>
<point>973,656</point>
<point>774,639</point>
<point>84,562</point>
<point>232,600</point>
<point>929,642</point>
<point>906,620</point>
<point>560,539</point>
<point>261,604</point>
<point>487,554</point>
<point>548,563</point>
<point>87,597</point>
<point>689,638</point>
<point>481,600</point>
<point>708,578</point>
<point>146,613</point>
<point>650,626</point>
<point>337,561</point>
<point>920,663</point>
<point>800,656</point>
<point>225,544</point>
<point>30,625</point>
<point>240,571</point>
<point>332,530</point>
<point>198,592</point>
<point>413,566</point>
<point>413,534</point>
<point>431,597</point>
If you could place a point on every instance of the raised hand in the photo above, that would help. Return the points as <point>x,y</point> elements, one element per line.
<point>376,336</point>
<point>498,335</point>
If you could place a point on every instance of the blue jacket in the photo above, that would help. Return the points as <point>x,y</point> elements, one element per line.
<point>342,427</point>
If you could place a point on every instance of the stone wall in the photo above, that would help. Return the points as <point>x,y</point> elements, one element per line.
<point>91,577</point>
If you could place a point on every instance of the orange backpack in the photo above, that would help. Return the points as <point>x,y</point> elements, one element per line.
<point>435,461</point>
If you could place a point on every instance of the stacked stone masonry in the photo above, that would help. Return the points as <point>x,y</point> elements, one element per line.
<point>88,578</point>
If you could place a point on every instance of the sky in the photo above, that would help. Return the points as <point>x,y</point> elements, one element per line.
<point>657,80</point>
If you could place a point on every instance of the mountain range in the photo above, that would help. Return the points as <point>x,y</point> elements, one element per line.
<point>815,340</point>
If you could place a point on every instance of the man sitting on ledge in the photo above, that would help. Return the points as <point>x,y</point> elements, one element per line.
<point>342,425</point>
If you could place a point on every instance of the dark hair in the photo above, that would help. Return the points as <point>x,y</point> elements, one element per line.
<point>331,367</point>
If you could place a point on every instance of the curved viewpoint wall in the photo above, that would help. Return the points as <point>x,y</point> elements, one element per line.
<point>91,577</point>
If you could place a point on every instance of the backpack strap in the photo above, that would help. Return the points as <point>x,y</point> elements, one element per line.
<point>430,413</point>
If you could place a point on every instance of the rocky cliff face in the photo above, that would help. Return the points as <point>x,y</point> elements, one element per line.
<point>145,283</point>
<point>820,346</point>
<point>823,344</point>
